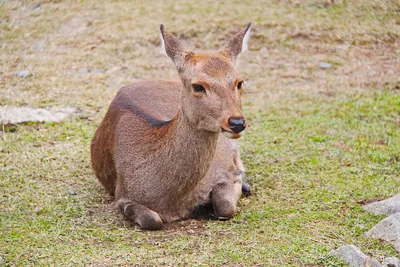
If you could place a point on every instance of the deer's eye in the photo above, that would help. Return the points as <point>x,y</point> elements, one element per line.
<point>198,88</point>
<point>240,84</point>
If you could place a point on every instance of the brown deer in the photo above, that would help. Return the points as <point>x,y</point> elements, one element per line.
<point>159,150</point>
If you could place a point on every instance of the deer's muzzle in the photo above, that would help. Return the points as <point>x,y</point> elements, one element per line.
<point>237,125</point>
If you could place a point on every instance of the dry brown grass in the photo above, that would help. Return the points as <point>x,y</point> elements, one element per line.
<point>360,40</point>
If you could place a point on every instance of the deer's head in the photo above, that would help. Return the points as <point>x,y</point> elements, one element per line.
<point>211,98</point>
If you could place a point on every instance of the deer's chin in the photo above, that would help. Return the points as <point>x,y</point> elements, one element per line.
<point>231,135</point>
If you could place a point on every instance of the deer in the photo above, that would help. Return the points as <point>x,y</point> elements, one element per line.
<point>166,147</point>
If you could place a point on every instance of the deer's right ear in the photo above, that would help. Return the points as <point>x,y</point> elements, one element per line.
<point>237,44</point>
<point>172,46</point>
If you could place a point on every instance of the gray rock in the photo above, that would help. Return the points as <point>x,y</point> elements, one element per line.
<point>13,115</point>
<point>388,229</point>
<point>391,262</point>
<point>37,6</point>
<point>263,50</point>
<point>385,207</point>
<point>353,256</point>
<point>72,192</point>
<point>95,71</point>
<point>83,71</point>
<point>38,47</point>
<point>23,73</point>
<point>325,65</point>
<point>372,73</point>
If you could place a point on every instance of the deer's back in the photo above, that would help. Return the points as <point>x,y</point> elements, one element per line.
<point>154,100</point>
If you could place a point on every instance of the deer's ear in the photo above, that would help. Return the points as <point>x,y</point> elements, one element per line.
<point>237,44</point>
<point>172,47</point>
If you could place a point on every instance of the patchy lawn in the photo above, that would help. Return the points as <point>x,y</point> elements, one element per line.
<point>321,141</point>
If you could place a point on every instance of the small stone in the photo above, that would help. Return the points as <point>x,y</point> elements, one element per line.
<point>36,6</point>
<point>294,83</point>
<point>72,192</point>
<point>390,72</point>
<point>95,71</point>
<point>38,47</point>
<point>83,71</point>
<point>385,207</point>
<point>23,73</point>
<point>353,256</point>
<point>388,229</point>
<point>325,65</point>
<point>207,233</point>
<point>391,262</point>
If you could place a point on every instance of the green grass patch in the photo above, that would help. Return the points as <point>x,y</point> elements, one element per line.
<point>306,188</point>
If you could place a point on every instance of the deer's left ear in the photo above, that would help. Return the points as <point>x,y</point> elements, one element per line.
<point>237,44</point>
<point>172,47</point>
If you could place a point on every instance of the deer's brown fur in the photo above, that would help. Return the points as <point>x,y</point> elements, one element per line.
<point>159,150</point>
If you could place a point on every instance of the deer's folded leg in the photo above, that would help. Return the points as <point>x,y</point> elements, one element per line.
<point>143,216</point>
<point>246,188</point>
<point>225,195</point>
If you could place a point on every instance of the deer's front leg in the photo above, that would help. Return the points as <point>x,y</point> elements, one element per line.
<point>246,188</point>
<point>225,195</point>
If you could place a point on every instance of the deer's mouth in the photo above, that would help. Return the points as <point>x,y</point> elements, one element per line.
<point>230,134</point>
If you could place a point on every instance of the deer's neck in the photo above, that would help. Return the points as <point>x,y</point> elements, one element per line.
<point>189,151</point>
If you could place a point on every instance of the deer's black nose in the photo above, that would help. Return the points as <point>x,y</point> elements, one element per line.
<point>237,124</point>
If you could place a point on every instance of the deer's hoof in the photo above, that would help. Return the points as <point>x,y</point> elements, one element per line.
<point>246,189</point>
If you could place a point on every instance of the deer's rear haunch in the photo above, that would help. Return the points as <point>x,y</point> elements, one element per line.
<point>159,149</point>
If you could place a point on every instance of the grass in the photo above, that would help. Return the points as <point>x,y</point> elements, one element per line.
<point>320,143</point>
